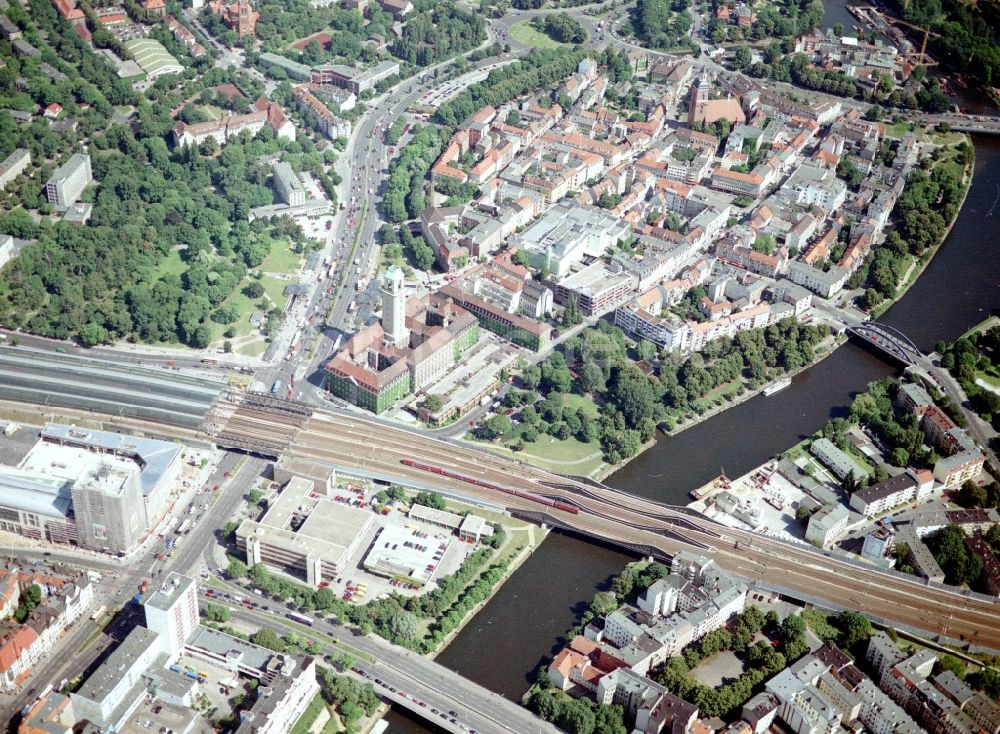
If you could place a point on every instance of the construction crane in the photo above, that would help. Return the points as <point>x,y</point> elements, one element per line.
<point>922,56</point>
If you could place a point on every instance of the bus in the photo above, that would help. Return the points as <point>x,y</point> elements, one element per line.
<point>98,613</point>
<point>184,527</point>
<point>300,618</point>
<point>210,360</point>
<point>275,387</point>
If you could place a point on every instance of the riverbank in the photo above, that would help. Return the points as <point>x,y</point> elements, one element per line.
<point>535,537</point>
<point>910,279</point>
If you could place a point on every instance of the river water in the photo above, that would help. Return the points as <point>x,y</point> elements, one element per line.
<point>522,625</point>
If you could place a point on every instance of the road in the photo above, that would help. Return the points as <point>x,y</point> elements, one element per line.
<point>409,679</point>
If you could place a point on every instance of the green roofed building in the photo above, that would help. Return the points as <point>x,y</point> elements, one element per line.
<point>152,58</point>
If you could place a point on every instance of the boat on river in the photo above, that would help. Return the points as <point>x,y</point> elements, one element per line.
<point>776,386</point>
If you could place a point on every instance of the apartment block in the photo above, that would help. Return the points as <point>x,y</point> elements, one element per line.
<point>14,165</point>
<point>69,181</point>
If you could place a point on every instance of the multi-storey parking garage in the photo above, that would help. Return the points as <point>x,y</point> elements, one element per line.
<point>68,381</point>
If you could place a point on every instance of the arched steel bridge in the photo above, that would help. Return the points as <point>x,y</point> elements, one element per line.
<point>890,340</point>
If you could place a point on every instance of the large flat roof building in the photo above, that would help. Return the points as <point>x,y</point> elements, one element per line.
<point>97,489</point>
<point>567,233</point>
<point>108,697</point>
<point>304,534</point>
<point>356,80</point>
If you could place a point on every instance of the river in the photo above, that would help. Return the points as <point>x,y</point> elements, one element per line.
<point>521,626</point>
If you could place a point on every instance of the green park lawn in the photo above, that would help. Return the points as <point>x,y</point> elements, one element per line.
<point>576,402</point>
<point>281,259</point>
<point>172,264</point>
<point>705,402</point>
<point>275,289</point>
<point>524,33</point>
<point>563,457</point>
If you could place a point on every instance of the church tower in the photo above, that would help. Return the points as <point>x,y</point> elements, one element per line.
<point>697,97</point>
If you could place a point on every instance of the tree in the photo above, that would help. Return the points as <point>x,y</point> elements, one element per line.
<point>971,495</point>
<point>571,315</point>
<point>497,425</point>
<point>900,457</point>
<point>743,58</point>
<point>604,603</point>
<point>610,720</point>
<point>854,628</point>
<point>216,613</point>
<point>765,243</point>
<point>949,662</point>
<point>92,334</point>
<point>255,496</point>
<point>433,403</point>
<point>253,290</point>
<point>237,568</point>
<point>268,638</point>
<point>434,500</point>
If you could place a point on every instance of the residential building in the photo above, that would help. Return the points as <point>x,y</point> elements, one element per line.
<point>824,283</point>
<point>172,612</point>
<point>878,498</point>
<point>9,29</point>
<point>991,566</point>
<point>827,525</point>
<point>109,696</point>
<point>653,708</point>
<point>883,653</point>
<point>670,334</point>
<point>6,249</point>
<point>983,712</point>
<point>901,680</point>
<point>51,714</point>
<point>759,712</point>
<point>320,115</point>
<point>741,184</point>
<point>810,186</point>
<point>878,544</point>
<point>919,555</point>
<point>280,704</point>
<point>69,181</point>
<point>840,463</point>
<point>955,470</point>
<point>14,165</point>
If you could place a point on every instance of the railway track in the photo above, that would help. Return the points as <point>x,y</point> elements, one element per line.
<point>605,513</point>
